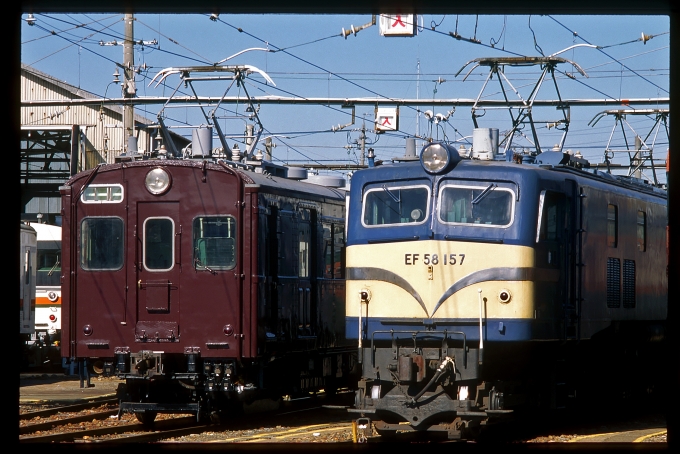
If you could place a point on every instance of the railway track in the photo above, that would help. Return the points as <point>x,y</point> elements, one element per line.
<point>64,409</point>
<point>97,421</point>
<point>125,431</point>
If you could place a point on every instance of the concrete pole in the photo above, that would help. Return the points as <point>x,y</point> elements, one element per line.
<point>129,89</point>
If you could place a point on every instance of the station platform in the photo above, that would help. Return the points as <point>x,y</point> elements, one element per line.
<point>64,388</point>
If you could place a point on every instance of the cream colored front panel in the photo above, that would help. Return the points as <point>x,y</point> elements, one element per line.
<point>442,279</point>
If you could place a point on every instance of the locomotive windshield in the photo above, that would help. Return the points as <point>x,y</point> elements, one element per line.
<point>214,243</point>
<point>396,205</point>
<point>484,205</point>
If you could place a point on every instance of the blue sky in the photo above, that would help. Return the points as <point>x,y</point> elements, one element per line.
<point>308,57</point>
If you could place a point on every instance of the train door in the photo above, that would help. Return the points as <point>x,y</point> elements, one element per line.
<point>158,272</point>
<point>307,265</point>
<point>556,251</point>
<point>272,269</point>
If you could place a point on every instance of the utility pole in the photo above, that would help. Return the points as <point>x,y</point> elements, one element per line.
<point>129,88</point>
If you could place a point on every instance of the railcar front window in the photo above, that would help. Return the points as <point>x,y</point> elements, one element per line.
<point>396,205</point>
<point>101,244</point>
<point>214,239</point>
<point>487,205</point>
<point>49,266</point>
<point>159,244</point>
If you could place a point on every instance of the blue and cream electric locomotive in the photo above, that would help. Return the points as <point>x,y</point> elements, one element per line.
<point>477,285</point>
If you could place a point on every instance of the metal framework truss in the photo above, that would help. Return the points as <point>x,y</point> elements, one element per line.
<point>237,76</point>
<point>522,114</point>
<point>640,150</point>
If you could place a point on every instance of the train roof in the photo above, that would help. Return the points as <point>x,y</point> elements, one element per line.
<point>48,236</point>
<point>504,169</point>
<point>268,182</point>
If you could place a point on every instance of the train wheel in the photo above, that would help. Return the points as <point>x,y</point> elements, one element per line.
<point>146,418</point>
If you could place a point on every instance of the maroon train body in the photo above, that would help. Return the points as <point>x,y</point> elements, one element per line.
<point>203,284</point>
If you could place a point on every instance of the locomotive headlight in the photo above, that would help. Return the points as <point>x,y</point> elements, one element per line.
<point>157,181</point>
<point>52,296</point>
<point>438,157</point>
<point>504,296</point>
<point>87,330</point>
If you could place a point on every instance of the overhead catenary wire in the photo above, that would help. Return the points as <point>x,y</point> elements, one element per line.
<point>349,76</point>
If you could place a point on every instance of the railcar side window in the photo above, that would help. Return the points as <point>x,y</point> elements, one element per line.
<point>214,240</point>
<point>612,225</point>
<point>334,245</point>
<point>553,216</point>
<point>101,243</point>
<point>641,231</point>
<point>304,240</point>
<point>484,205</point>
<point>396,205</point>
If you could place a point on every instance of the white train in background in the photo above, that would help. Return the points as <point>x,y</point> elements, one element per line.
<point>27,286</point>
<point>46,338</point>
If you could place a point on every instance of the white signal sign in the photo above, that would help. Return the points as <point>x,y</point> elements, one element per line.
<point>386,119</point>
<point>398,25</point>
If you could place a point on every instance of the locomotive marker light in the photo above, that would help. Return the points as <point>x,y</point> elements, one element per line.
<point>157,181</point>
<point>365,295</point>
<point>504,296</point>
<point>438,158</point>
<point>87,330</point>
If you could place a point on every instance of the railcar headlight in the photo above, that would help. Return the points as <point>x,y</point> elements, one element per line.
<point>438,157</point>
<point>157,181</point>
<point>504,296</point>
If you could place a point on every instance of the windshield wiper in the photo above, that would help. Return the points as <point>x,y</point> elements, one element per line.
<point>395,198</point>
<point>51,271</point>
<point>205,267</point>
<point>479,198</point>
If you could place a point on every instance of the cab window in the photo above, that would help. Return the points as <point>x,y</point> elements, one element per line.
<point>214,240</point>
<point>395,205</point>
<point>487,205</point>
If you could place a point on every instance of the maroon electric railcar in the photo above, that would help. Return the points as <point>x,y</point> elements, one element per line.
<point>203,284</point>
